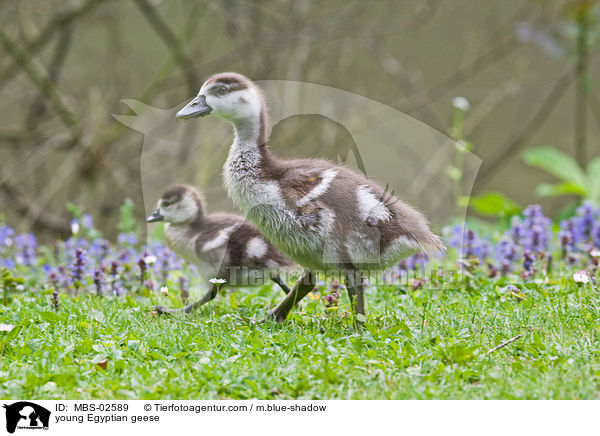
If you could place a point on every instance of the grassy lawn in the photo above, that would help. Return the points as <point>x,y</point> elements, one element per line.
<point>418,344</point>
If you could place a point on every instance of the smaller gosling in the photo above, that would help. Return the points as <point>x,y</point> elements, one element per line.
<point>222,245</point>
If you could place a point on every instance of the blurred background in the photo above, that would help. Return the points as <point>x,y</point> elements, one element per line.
<point>501,78</point>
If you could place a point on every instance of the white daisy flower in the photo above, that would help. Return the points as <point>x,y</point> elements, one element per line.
<point>164,290</point>
<point>216,281</point>
<point>581,277</point>
<point>461,103</point>
<point>595,252</point>
<point>150,259</point>
<point>6,327</point>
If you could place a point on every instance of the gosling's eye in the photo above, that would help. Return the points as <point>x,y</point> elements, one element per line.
<point>222,90</point>
<point>166,204</point>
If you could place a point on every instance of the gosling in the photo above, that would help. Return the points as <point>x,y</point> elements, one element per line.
<point>322,215</point>
<point>222,245</point>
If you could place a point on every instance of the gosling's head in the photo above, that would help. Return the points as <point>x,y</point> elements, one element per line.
<point>178,205</point>
<point>227,95</point>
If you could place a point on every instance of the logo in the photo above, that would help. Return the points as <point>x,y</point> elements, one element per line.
<point>26,415</point>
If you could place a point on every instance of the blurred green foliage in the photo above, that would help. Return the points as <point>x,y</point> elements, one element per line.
<point>573,180</point>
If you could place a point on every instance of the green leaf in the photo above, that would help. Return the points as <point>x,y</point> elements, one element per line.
<point>593,172</point>
<point>50,316</point>
<point>557,163</point>
<point>74,210</point>
<point>494,204</point>
<point>548,190</point>
<point>12,334</point>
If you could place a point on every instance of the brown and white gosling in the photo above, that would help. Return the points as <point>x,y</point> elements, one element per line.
<point>321,215</point>
<point>222,245</point>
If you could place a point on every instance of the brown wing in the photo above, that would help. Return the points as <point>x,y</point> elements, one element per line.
<point>297,186</point>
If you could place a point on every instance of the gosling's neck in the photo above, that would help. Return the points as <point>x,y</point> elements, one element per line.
<point>250,135</point>
<point>249,165</point>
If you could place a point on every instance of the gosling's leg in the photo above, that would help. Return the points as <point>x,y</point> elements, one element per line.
<point>355,286</point>
<point>212,293</point>
<point>281,284</point>
<point>303,286</point>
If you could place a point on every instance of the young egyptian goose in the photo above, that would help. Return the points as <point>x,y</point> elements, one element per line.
<point>222,245</point>
<point>321,215</point>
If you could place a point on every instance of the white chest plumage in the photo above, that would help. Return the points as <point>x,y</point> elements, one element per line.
<point>243,182</point>
<point>179,240</point>
<point>265,206</point>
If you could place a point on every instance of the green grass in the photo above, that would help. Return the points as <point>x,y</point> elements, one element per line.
<point>420,344</point>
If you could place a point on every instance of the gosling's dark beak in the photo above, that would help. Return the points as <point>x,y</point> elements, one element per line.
<point>155,217</point>
<point>195,108</point>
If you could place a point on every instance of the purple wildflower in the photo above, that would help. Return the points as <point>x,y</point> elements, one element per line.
<point>64,277</point>
<point>468,243</point>
<point>25,245</point>
<point>6,234</point>
<point>536,229</point>
<point>516,231</point>
<point>332,300</point>
<point>99,249</point>
<point>53,276</point>
<point>566,241</point>
<point>573,258</point>
<point>596,234</point>
<point>125,255</point>
<point>528,264</point>
<point>506,254</point>
<point>474,246</point>
<point>127,239</point>
<point>581,232</point>
<point>585,219</point>
<point>493,271</point>
<point>114,267</point>
<point>114,271</point>
<point>510,289</point>
<point>98,281</point>
<point>454,236</point>
<point>143,267</point>
<point>87,221</point>
<point>166,262</point>
<point>55,300</point>
<point>414,262</point>
<point>417,283</point>
<point>77,267</point>
<point>9,263</point>
<point>71,246</point>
